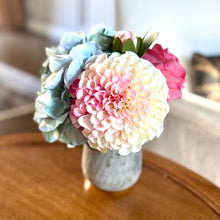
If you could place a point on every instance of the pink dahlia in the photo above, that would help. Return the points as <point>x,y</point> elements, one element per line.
<point>119,102</point>
<point>169,65</point>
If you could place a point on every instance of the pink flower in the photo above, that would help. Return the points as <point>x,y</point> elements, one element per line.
<point>169,65</point>
<point>124,35</point>
<point>119,102</point>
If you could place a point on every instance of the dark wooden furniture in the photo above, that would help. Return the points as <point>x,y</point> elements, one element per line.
<point>11,14</point>
<point>39,180</point>
<point>24,51</point>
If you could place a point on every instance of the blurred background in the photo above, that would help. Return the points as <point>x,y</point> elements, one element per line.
<point>190,29</point>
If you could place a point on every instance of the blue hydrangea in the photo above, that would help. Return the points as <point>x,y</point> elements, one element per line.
<point>63,65</point>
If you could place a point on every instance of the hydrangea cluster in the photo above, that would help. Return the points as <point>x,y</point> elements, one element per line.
<point>63,65</point>
<point>108,89</point>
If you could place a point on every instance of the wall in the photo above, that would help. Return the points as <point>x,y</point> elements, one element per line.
<point>184,26</point>
<point>52,18</point>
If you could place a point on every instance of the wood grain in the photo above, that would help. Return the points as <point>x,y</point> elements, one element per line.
<point>44,181</point>
<point>22,123</point>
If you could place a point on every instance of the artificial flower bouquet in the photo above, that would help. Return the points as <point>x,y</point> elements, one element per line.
<point>107,89</point>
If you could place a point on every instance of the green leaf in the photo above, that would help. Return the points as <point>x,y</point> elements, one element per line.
<point>103,40</point>
<point>117,45</point>
<point>147,41</point>
<point>139,44</point>
<point>128,46</point>
<point>146,34</point>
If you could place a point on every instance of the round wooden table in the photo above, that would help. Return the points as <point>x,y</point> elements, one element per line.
<point>39,180</point>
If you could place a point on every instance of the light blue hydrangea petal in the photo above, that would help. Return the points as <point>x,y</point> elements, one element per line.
<point>54,79</point>
<point>49,124</point>
<point>56,62</point>
<point>91,60</point>
<point>42,97</point>
<point>85,51</point>
<point>47,94</point>
<point>52,136</point>
<point>69,40</point>
<point>96,29</point>
<point>72,72</point>
<point>52,93</point>
<point>55,107</point>
<point>39,111</point>
<point>109,31</point>
<point>53,51</point>
<point>70,135</point>
<point>101,28</point>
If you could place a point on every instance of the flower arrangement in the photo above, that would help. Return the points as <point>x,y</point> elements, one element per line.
<point>108,89</point>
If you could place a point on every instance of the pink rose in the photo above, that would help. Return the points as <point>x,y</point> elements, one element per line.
<point>169,65</point>
<point>124,35</point>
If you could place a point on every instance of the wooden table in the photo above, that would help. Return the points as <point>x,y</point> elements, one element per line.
<point>44,181</point>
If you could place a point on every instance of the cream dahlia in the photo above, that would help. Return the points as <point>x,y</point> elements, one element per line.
<point>119,102</point>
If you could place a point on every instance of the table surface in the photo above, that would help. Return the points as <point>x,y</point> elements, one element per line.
<point>44,181</point>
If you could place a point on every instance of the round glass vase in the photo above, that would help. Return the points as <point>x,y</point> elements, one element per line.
<point>111,171</point>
